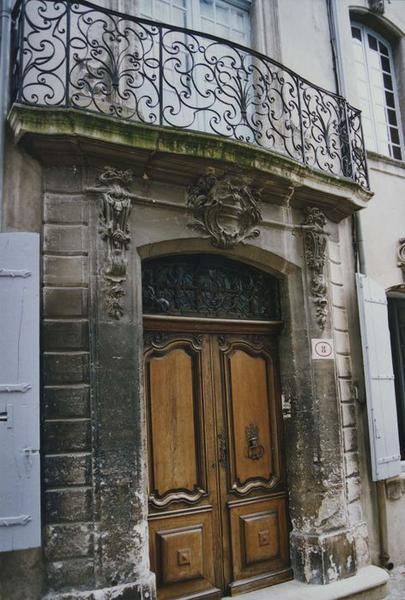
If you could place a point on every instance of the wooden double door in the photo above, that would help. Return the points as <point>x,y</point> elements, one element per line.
<point>217,497</point>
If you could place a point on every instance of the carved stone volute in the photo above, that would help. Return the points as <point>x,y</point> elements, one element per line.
<point>225,209</point>
<point>115,209</point>
<point>315,256</point>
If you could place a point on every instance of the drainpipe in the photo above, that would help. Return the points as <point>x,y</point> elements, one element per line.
<point>332,9</point>
<point>5,52</point>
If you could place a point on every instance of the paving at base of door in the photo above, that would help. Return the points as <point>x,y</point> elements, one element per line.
<point>370,583</point>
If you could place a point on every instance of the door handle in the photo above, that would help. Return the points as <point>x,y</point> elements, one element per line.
<point>222,449</point>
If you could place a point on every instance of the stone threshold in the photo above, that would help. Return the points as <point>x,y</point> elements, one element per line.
<point>370,583</point>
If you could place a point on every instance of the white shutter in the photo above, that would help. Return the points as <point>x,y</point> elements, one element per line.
<point>20,525</point>
<point>379,379</point>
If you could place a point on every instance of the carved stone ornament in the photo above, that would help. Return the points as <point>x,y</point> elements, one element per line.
<point>401,254</point>
<point>376,6</point>
<point>315,256</point>
<point>115,208</point>
<point>225,209</point>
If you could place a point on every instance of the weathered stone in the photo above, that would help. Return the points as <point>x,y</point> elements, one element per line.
<point>351,464</point>
<point>60,368</point>
<point>348,415</point>
<point>350,439</point>
<point>338,295</point>
<point>74,504</point>
<point>65,335</point>
<point>343,365</point>
<point>65,239</point>
<point>335,273</point>
<point>65,209</point>
<point>67,436</point>
<point>69,541</point>
<point>346,390</point>
<point>353,489</point>
<point>67,470</point>
<point>64,574</point>
<point>324,558</point>
<point>63,179</point>
<point>67,403</point>
<point>65,270</point>
<point>342,343</point>
<point>65,302</point>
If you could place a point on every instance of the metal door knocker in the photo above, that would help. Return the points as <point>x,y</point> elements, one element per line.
<point>255,450</point>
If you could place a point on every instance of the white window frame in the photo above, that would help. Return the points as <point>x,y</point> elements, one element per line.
<point>194,15</point>
<point>365,31</point>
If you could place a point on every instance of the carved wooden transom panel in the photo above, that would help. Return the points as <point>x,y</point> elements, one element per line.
<point>208,285</point>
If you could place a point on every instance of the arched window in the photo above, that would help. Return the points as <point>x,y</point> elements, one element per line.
<point>377,90</point>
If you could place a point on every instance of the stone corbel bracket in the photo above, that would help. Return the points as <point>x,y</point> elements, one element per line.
<point>315,240</point>
<point>376,6</point>
<point>225,209</point>
<point>115,209</point>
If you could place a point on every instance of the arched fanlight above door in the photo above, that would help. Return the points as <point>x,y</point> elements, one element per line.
<point>208,285</point>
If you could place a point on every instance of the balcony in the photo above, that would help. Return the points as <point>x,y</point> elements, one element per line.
<point>75,55</point>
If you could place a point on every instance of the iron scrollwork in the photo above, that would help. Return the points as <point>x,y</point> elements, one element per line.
<point>225,209</point>
<point>315,254</point>
<point>82,56</point>
<point>208,286</point>
<point>115,209</point>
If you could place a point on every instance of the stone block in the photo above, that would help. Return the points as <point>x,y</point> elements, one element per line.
<point>346,390</point>
<point>343,365</point>
<point>334,251</point>
<point>348,415</point>
<point>64,574</point>
<point>66,271</point>
<point>324,558</point>
<point>339,316</point>
<point>338,295</point>
<point>64,470</point>
<point>67,403</point>
<point>63,179</point>
<point>65,335</point>
<point>67,436</point>
<point>60,368</point>
<point>335,273</point>
<point>350,439</point>
<point>351,464</point>
<point>59,208</point>
<point>65,239</point>
<point>342,342</point>
<point>65,302</point>
<point>353,489</point>
<point>69,541</point>
<point>68,505</point>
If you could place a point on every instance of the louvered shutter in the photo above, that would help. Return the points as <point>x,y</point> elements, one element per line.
<point>379,379</point>
<point>20,524</point>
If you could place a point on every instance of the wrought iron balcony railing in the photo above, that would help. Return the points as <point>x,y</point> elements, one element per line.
<point>77,55</point>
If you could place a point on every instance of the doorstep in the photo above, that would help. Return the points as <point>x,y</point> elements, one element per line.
<point>370,583</point>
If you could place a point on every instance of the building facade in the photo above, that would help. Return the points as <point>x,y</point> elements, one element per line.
<point>204,197</point>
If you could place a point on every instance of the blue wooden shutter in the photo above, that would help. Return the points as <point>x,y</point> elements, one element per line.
<point>379,379</point>
<point>20,525</point>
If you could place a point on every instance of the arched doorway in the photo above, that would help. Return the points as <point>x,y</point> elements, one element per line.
<point>217,488</point>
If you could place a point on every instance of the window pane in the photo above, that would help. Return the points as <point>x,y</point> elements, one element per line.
<point>387,81</point>
<point>372,42</point>
<point>394,135</point>
<point>396,152</point>
<point>383,49</point>
<point>385,63</point>
<point>356,33</point>
<point>389,96</point>
<point>392,117</point>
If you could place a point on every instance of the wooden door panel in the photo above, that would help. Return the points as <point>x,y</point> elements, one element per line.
<point>174,400</point>
<point>251,407</point>
<point>259,541</point>
<point>182,555</point>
